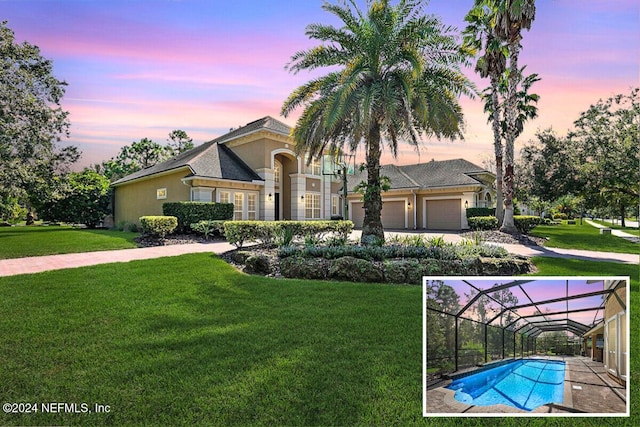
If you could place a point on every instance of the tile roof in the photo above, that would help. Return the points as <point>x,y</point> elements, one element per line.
<point>213,159</point>
<point>433,174</point>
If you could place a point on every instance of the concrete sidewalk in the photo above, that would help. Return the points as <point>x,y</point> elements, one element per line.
<point>531,251</point>
<point>618,233</point>
<point>628,222</point>
<point>11,267</point>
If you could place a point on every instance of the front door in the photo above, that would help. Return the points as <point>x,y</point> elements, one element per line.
<point>276,214</point>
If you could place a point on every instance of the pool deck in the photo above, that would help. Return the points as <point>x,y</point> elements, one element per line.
<point>597,394</point>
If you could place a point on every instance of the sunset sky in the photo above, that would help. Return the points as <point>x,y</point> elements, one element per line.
<point>140,69</point>
<point>535,290</point>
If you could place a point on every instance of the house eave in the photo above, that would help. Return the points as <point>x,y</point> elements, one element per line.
<point>233,181</point>
<point>424,190</point>
<point>153,176</point>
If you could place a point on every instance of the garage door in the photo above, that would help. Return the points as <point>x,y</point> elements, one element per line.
<point>392,214</point>
<point>357,214</point>
<point>444,214</point>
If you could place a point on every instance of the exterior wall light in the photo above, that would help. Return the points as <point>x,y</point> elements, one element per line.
<point>270,197</point>
<point>466,204</point>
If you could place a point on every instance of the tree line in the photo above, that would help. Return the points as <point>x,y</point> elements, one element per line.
<point>36,173</point>
<point>594,168</point>
<point>394,76</point>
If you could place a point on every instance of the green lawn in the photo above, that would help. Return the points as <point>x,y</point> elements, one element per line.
<point>17,242</point>
<point>190,341</point>
<point>630,230</point>
<point>584,237</point>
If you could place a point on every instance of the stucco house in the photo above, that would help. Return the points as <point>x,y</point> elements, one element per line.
<point>255,167</point>
<point>432,195</point>
<point>608,341</point>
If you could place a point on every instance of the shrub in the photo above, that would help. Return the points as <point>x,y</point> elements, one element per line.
<point>561,216</point>
<point>355,270</point>
<point>238,232</point>
<point>192,212</point>
<point>284,236</point>
<point>474,212</point>
<point>158,225</point>
<point>282,232</point>
<point>525,223</point>
<point>381,253</point>
<point>483,222</point>
<point>208,227</point>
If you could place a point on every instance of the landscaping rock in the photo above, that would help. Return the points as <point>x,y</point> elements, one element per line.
<point>355,270</point>
<point>258,264</point>
<point>496,236</point>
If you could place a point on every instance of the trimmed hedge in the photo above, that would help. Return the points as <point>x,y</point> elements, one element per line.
<point>158,225</point>
<point>483,222</point>
<point>239,232</point>
<point>474,212</point>
<point>525,223</point>
<point>192,212</point>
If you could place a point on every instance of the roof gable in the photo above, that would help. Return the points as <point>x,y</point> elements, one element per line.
<point>213,159</point>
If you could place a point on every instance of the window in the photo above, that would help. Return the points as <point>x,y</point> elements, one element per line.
<point>225,197</point>
<point>276,172</point>
<point>251,206</point>
<point>161,193</point>
<point>238,205</point>
<point>201,194</point>
<point>335,205</point>
<point>314,167</point>
<point>312,206</point>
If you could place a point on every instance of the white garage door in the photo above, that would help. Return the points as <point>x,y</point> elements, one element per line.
<point>444,214</point>
<point>392,214</point>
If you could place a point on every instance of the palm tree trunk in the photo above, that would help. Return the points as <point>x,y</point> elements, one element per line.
<point>508,225</point>
<point>372,224</point>
<point>497,146</point>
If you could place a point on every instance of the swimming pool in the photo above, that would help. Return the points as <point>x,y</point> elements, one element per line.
<point>524,384</point>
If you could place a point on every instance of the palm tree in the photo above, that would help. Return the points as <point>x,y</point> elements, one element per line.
<point>525,102</point>
<point>480,35</point>
<point>512,16</point>
<point>394,77</point>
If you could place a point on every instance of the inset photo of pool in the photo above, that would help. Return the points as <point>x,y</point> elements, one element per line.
<point>525,346</point>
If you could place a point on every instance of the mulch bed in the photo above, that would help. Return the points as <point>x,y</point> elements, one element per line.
<point>272,253</point>
<point>495,236</point>
<point>173,239</point>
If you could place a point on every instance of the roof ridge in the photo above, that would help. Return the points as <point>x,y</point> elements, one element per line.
<point>403,173</point>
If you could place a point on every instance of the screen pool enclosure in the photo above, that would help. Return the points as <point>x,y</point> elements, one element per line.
<point>475,321</point>
<point>523,384</point>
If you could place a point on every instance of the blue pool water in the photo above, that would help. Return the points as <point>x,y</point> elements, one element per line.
<point>524,384</point>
